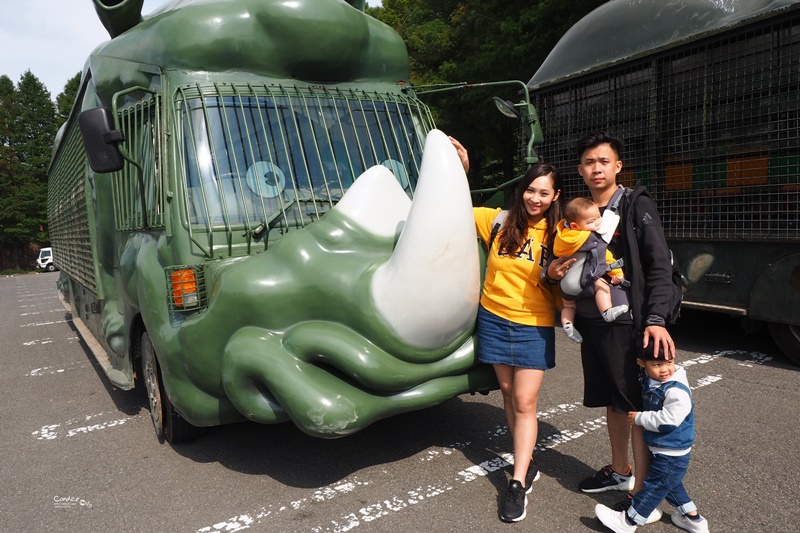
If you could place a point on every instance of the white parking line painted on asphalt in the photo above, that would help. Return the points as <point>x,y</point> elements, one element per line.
<point>702,359</point>
<point>47,340</point>
<point>35,324</point>
<point>385,507</point>
<point>707,380</point>
<point>55,431</point>
<point>39,295</point>
<point>378,510</point>
<point>50,370</point>
<point>381,509</point>
<point>244,521</point>
<point>753,358</point>
<point>486,467</point>
<point>548,442</point>
<point>419,495</point>
<point>32,313</point>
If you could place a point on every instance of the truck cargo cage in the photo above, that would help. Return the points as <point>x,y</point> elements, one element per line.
<point>711,129</point>
<point>69,219</point>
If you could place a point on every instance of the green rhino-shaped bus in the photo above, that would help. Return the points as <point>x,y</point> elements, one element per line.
<point>230,205</point>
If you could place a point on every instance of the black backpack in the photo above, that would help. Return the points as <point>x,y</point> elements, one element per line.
<point>676,298</point>
<point>677,291</point>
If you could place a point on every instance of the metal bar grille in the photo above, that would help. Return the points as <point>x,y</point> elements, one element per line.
<point>67,211</point>
<point>267,158</point>
<point>712,129</point>
<point>139,193</point>
<point>185,296</point>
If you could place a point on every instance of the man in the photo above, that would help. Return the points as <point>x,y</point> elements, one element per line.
<point>609,350</point>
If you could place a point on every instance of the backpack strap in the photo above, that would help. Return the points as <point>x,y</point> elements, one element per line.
<point>611,214</point>
<point>497,224</point>
<point>613,205</point>
<point>617,197</point>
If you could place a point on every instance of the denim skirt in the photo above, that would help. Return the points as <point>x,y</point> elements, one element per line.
<point>502,342</point>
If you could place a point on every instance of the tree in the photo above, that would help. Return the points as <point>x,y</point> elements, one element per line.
<point>27,130</point>
<point>65,100</point>
<point>34,127</point>
<point>7,97</point>
<point>477,41</point>
<point>7,162</point>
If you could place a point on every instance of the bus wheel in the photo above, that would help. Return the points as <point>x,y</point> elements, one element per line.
<point>787,337</point>
<point>169,425</point>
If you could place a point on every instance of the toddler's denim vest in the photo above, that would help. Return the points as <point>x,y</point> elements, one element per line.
<point>678,438</point>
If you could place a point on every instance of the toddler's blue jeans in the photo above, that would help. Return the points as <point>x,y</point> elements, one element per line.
<point>664,481</point>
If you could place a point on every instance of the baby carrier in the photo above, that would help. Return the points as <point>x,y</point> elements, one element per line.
<point>589,265</point>
<point>591,256</point>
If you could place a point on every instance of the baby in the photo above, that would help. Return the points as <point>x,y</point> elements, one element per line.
<point>576,236</point>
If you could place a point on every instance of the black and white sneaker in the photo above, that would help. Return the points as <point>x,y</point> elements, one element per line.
<point>607,479</point>
<point>624,504</point>
<point>513,508</point>
<point>531,476</point>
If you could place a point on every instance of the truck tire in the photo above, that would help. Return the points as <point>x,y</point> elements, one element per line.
<point>787,337</point>
<point>50,267</point>
<point>169,425</point>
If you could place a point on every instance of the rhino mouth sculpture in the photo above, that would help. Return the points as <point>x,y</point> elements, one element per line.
<point>366,313</point>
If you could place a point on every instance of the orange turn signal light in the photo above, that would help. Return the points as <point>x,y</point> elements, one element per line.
<point>184,288</point>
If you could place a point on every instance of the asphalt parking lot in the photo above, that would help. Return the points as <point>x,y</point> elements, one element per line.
<point>80,455</point>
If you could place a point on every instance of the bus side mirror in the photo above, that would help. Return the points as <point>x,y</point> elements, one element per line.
<point>101,140</point>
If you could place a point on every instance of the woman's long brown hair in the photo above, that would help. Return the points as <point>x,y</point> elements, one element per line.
<point>515,228</point>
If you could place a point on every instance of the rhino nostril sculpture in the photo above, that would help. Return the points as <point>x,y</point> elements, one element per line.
<point>270,379</point>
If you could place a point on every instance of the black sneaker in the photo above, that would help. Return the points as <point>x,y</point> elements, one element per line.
<point>513,508</point>
<point>606,479</point>
<point>531,476</point>
<point>625,503</point>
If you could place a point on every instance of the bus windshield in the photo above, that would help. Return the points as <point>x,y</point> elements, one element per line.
<point>251,159</point>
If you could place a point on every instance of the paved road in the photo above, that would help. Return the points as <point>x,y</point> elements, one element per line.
<point>76,454</point>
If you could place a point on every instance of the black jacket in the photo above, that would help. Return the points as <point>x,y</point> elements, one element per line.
<point>639,240</point>
<point>647,259</point>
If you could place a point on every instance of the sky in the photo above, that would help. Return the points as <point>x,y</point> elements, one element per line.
<point>53,38</point>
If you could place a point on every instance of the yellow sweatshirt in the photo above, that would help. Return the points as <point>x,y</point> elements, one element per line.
<point>513,288</point>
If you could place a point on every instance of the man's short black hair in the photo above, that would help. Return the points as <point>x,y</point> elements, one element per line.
<point>597,138</point>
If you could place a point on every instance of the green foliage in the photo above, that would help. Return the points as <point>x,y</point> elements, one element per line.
<point>65,100</point>
<point>479,41</point>
<point>27,129</point>
<point>34,128</point>
<point>7,94</point>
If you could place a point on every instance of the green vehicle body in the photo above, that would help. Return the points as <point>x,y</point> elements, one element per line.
<point>705,97</point>
<point>215,244</point>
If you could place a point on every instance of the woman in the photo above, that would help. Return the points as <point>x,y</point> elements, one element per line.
<point>516,317</point>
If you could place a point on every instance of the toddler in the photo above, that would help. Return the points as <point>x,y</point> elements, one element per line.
<point>668,421</point>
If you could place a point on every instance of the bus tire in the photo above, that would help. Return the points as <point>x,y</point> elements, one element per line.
<point>787,337</point>
<point>169,425</point>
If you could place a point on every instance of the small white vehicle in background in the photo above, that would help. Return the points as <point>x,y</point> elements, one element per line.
<point>45,260</point>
